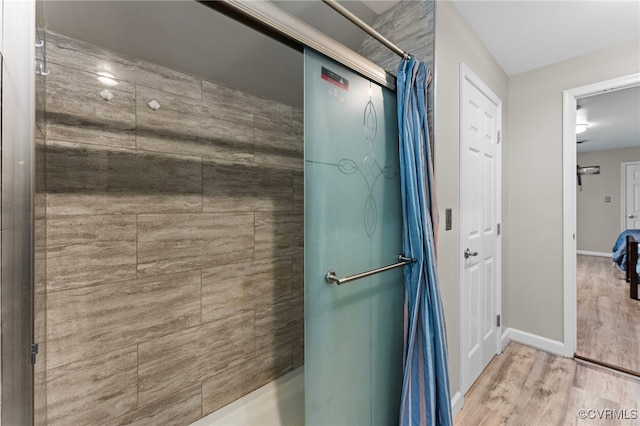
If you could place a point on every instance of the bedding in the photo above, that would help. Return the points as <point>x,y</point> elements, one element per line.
<point>619,255</point>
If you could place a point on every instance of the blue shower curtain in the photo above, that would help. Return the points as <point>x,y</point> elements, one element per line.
<point>425,389</point>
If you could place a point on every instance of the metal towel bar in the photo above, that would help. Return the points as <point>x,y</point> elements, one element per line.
<point>331,277</point>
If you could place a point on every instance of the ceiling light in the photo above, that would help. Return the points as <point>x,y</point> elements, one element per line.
<point>581,127</point>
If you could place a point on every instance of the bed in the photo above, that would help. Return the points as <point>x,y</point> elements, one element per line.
<point>625,255</point>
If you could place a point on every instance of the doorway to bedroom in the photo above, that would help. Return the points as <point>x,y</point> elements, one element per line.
<point>607,142</point>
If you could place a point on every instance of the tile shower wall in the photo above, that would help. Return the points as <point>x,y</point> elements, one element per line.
<point>169,242</point>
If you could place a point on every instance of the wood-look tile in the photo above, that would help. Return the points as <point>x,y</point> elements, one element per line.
<point>608,320</point>
<point>87,321</point>
<point>231,289</point>
<point>77,113</point>
<point>510,372</point>
<point>278,234</point>
<point>91,179</point>
<point>548,385</point>
<point>178,409</point>
<point>94,390</point>
<point>623,390</point>
<point>180,242</point>
<point>181,359</point>
<point>237,100</point>
<point>86,250</point>
<point>91,58</point>
<point>580,399</point>
<point>186,126</point>
<point>228,385</point>
<point>278,142</point>
<point>553,392</point>
<point>238,186</point>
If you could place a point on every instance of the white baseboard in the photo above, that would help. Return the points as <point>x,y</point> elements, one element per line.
<point>457,401</point>
<point>544,344</point>
<point>593,253</point>
<point>505,339</point>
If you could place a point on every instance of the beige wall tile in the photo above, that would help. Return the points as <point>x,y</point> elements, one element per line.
<point>187,357</point>
<point>77,113</point>
<point>93,390</point>
<point>94,59</point>
<point>180,408</point>
<point>298,191</point>
<point>276,321</point>
<point>179,242</point>
<point>217,94</point>
<point>231,289</point>
<point>278,142</point>
<point>278,234</point>
<point>40,255</point>
<point>230,384</point>
<point>39,202</point>
<point>237,186</point>
<point>85,250</point>
<point>86,179</point>
<point>187,126</point>
<point>87,321</point>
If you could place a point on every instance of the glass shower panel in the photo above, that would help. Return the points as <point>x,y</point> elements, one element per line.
<point>353,332</point>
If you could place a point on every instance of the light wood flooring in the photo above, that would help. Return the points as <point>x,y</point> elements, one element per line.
<point>525,386</point>
<point>608,320</point>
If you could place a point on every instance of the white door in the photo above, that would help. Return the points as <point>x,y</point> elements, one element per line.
<point>631,196</point>
<point>480,160</point>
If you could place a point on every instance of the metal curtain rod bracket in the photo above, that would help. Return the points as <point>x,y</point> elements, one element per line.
<point>331,277</point>
<point>365,27</point>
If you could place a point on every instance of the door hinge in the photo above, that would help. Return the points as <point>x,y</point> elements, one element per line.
<point>498,321</point>
<point>499,229</point>
<point>499,136</point>
<point>34,352</point>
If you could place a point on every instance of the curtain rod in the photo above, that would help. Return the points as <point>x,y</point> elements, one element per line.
<point>266,17</point>
<point>366,28</point>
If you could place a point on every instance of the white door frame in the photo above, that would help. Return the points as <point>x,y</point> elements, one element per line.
<point>569,102</point>
<point>623,192</point>
<point>467,74</point>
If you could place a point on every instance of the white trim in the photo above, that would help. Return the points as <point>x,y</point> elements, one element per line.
<point>505,338</point>
<point>569,198</point>
<point>542,343</point>
<point>466,74</point>
<point>623,192</point>
<point>457,402</point>
<point>593,253</point>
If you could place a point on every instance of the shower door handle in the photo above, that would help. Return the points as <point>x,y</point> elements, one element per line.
<point>468,253</point>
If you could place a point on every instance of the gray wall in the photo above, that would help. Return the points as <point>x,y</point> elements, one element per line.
<point>535,171</point>
<point>457,43</point>
<point>599,223</point>
<point>172,241</point>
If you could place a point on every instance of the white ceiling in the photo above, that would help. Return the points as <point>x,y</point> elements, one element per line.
<point>189,37</point>
<point>524,35</point>
<point>613,119</point>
